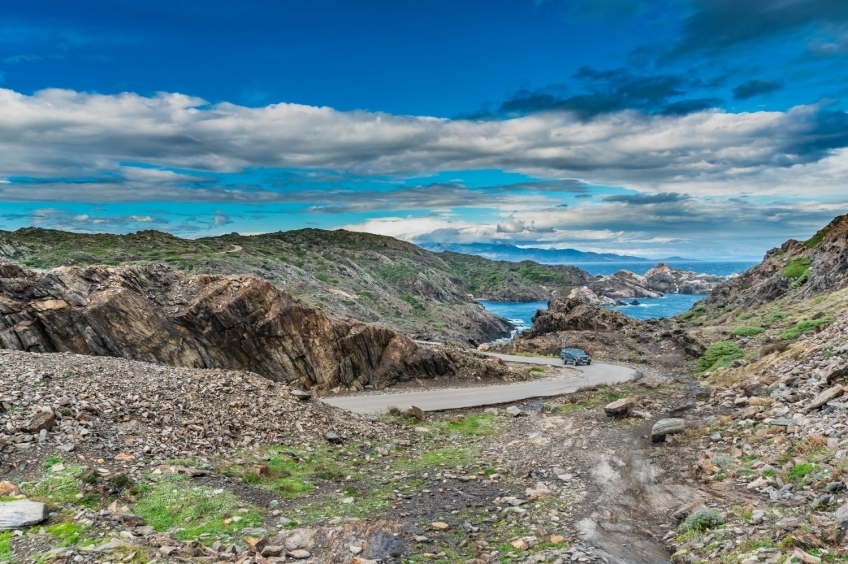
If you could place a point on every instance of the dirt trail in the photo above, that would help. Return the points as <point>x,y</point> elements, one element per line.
<point>622,498</point>
<point>626,502</point>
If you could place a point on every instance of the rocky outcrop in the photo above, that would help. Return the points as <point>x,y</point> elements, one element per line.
<point>571,314</point>
<point>659,280</point>
<point>587,296</point>
<point>157,314</point>
<point>816,266</point>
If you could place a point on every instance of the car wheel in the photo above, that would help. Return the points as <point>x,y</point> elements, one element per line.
<point>588,362</point>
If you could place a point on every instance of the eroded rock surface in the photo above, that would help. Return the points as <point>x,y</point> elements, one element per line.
<point>157,314</point>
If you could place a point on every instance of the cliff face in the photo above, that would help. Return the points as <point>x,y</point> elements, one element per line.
<point>816,266</point>
<point>157,314</point>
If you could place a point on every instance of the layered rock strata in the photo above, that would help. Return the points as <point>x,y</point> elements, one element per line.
<point>157,314</point>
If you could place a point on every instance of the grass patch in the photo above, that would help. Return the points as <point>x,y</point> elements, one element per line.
<point>5,549</point>
<point>61,488</point>
<point>814,241</point>
<point>805,326</point>
<point>800,472</point>
<point>290,472</point>
<point>69,533</point>
<point>796,268</point>
<point>193,510</point>
<point>745,331</point>
<point>718,355</point>
<point>50,462</point>
<point>450,456</point>
<point>484,424</point>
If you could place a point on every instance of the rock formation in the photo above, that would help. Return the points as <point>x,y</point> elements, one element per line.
<point>571,314</point>
<point>157,314</point>
<point>816,266</point>
<point>659,280</point>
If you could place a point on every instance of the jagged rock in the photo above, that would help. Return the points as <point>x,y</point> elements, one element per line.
<point>515,411</point>
<point>157,314</point>
<point>21,513</point>
<point>665,427</point>
<point>825,396</point>
<point>622,407</point>
<point>45,419</point>
<point>416,413</point>
<point>570,314</point>
<point>765,283</point>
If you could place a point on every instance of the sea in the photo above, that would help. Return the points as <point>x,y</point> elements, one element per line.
<point>520,313</point>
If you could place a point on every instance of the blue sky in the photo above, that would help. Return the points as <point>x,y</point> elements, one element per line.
<point>692,127</point>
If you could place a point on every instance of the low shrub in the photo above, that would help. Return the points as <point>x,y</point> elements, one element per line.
<point>701,520</point>
<point>747,331</point>
<point>718,355</point>
<point>805,326</point>
<point>796,268</point>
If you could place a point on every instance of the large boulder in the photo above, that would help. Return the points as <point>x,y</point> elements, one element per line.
<point>21,513</point>
<point>665,427</point>
<point>157,314</point>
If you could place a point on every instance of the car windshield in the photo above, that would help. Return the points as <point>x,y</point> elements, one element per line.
<point>575,351</point>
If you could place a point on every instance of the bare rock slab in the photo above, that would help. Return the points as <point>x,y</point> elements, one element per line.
<point>665,427</point>
<point>825,396</point>
<point>21,513</point>
<point>621,408</point>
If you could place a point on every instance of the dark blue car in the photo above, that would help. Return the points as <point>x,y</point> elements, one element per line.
<point>575,356</point>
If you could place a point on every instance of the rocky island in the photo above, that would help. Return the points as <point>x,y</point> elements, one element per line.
<point>657,281</point>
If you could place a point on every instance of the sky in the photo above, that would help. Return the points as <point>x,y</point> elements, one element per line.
<point>711,129</point>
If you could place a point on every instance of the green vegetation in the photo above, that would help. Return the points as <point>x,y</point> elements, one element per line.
<point>800,471</point>
<point>814,241</point>
<point>718,355</point>
<point>50,462</point>
<point>194,509</point>
<point>747,331</point>
<point>69,533</point>
<point>416,305</point>
<point>5,550</point>
<point>697,309</point>
<point>539,273</point>
<point>291,472</point>
<point>805,326</point>
<point>62,488</point>
<point>796,268</point>
<point>701,520</point>
<point>484,424</point>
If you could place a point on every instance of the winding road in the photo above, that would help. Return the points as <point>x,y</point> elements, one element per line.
<point>453,398</point>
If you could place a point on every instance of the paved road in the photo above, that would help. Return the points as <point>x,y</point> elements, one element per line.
<point>454,398</point>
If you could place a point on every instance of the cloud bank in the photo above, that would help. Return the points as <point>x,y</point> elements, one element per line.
<point>65,145</point>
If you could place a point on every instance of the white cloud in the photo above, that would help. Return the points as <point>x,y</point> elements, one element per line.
<point>60,133</point>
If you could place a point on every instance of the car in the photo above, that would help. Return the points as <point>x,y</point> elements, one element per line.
<point>575,356</point>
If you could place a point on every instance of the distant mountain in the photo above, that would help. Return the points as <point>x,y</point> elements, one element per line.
<point>502,251</point>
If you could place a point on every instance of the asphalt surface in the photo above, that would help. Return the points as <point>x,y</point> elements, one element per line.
<point>454,398</point>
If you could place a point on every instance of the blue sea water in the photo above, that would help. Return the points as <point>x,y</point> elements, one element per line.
<point>520,313</point>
